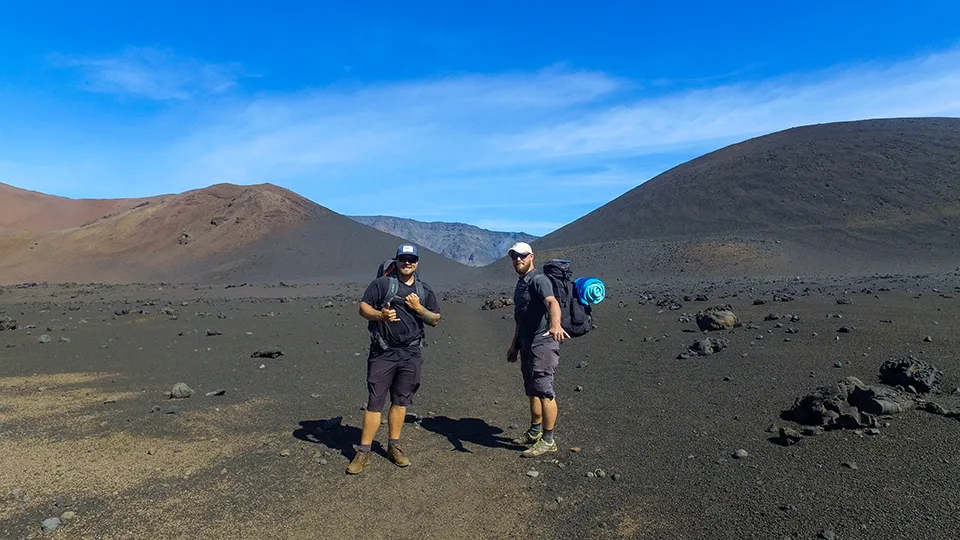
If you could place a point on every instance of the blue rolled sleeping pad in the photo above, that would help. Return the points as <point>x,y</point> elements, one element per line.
<point>590,290</point>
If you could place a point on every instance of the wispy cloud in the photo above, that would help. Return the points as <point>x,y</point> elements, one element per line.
<point>483,139</point>
<point>521,151</point>
<point>921,87</point>
<point>151,73</point>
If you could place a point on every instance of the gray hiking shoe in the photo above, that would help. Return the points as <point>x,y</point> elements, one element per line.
<point>528,438</point>
<point>540,448</point>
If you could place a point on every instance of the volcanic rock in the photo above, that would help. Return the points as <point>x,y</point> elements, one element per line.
<point>848,404</point>
<point>704,347</point>
<point>181,391</point>
<point>6,323</point>
<point>717,318</point>
<point>497,303</point>
<point>912,372</point>
<point>267,352</point>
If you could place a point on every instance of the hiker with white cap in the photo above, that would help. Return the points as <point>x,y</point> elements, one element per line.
<point>536,342</point>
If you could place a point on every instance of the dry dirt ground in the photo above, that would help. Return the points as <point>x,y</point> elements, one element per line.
<point>85,426</point>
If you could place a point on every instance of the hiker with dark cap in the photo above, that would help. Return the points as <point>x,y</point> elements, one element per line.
<point>536,340</point>
<point>397,306</point>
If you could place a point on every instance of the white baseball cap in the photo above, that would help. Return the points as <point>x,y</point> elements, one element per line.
<point>522,248</point>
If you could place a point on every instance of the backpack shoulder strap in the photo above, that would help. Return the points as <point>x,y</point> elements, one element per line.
<point>392,285</point>
<point>420,290</point>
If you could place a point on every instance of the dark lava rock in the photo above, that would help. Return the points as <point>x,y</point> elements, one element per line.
<point>670,303</point>
<point>912,372</point>
<point>497,303</point>
<point>717,318</point>
<point>938,409</point>
<point>6,323</point>
<point>787,437</point>
<point>267,352</point>
<point>846,405</point>
<point>704,347</point>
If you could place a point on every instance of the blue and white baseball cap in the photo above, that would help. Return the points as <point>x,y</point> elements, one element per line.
<point>408,249</point>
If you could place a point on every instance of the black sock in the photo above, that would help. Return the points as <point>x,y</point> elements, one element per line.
<point>393,442</point>
<point>535,428</point>
<point>548,435</point>
<point>363,448</point>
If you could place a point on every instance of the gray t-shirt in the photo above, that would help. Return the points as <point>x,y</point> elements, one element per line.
<point>528,307</point>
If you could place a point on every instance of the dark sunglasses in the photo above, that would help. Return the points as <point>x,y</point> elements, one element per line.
<point>515,255</point>
<point>408,260</point>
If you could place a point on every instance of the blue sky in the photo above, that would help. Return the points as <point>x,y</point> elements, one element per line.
<point>510,118</point>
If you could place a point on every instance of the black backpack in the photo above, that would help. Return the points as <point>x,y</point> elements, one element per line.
<point>389,268</point>
<point>577,318</point>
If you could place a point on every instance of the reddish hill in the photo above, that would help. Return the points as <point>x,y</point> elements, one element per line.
<point>32,211</point>
<point>223,232</point>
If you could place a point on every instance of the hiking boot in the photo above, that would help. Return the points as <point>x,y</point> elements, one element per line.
<point>395,453</point>
<point>361,460</point>
<point>540,448</point>
<point>528,438</point>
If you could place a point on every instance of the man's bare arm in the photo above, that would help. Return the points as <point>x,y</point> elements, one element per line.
<point>428,316</point>
<point>371,313</point>
<point>556,318</point>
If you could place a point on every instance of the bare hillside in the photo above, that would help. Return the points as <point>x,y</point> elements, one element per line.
<point>224,232</point>
<point>877,195</point>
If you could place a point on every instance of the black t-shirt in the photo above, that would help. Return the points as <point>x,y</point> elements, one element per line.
<point>409,328</point>
<point>529,309</point>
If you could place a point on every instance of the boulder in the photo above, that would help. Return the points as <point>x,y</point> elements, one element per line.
<point>911,372</point>
<point>717,318</point>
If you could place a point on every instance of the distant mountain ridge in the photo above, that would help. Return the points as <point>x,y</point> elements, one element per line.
<point>466,244</point>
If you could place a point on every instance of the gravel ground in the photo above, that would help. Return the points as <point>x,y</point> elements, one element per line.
<point>85,426</point>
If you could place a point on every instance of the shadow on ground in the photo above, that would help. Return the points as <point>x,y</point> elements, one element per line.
<point>333,435</point>
<point>471,430</point>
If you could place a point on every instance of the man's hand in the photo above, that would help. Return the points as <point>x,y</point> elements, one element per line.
<point>512,354</point>
<point>413,302</point>
<point>427,316</point>
<point>557,333</point>
<point>387,314</point>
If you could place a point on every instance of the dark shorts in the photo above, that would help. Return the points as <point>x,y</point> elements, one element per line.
<point>395,370</point>
<point>538,363</point>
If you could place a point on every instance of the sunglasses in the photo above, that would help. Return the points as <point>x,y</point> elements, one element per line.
<point>519,256</point>
<point>408,260</point>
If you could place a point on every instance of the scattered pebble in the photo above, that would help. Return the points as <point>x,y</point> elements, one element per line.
<point>181,391</point>
<point>50,524</point>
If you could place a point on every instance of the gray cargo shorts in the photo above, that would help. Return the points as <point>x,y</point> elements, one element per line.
<point>396,372</point>
<point>538,362</point>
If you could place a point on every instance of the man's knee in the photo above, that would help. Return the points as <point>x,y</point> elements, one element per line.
<point>541,386</point>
